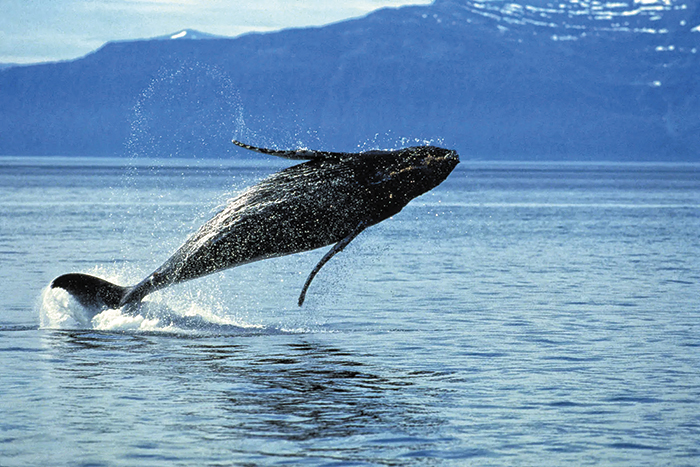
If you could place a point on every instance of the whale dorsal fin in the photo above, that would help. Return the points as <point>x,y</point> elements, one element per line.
<point>297,154</point>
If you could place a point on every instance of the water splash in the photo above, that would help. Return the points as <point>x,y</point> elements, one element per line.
<point>190,110</point>
<point>179,313</point>
<point>389,141</point>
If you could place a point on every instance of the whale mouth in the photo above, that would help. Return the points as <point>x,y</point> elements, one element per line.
<point>451,157</point>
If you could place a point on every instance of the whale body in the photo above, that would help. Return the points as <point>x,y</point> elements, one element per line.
<point>327,200</point>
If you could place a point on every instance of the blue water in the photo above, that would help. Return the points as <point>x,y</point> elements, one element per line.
<point>519,314</point>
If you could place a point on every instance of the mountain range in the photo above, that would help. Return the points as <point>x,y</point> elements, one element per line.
<point>494,80</point>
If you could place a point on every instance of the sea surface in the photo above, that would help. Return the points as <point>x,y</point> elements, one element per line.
<point>520,314</point>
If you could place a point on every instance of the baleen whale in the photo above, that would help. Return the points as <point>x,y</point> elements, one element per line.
<point>327,200</point>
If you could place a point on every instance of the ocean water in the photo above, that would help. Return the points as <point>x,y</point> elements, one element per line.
<point>519,314</point>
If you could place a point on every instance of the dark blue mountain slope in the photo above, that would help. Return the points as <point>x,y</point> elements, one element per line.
<point>489,79</point>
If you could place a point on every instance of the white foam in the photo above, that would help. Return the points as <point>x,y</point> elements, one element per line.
<point>59,310</point>
<point>115,320</point>
<point>174,312</point>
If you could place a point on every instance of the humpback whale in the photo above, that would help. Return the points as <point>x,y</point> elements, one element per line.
<point>327,200</point>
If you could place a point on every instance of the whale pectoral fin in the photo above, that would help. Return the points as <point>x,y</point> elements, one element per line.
<point>337,248</point>
<point>297,154</point>
<point>91,292</point>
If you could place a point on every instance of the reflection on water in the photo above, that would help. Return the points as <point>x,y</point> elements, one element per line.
<point>252,395</point>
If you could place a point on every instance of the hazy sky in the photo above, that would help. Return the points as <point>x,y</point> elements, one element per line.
<point>46,30</point>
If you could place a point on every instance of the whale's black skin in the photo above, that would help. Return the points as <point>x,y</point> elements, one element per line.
<point>327,200</point>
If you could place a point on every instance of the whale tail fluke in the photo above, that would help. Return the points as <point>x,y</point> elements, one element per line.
<point>90,291</point>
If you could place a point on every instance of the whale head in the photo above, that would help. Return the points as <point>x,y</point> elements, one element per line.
<point>425,167</point>
<point>399,176</point>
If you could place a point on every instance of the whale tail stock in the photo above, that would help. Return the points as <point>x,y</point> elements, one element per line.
<point>92,292</point>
